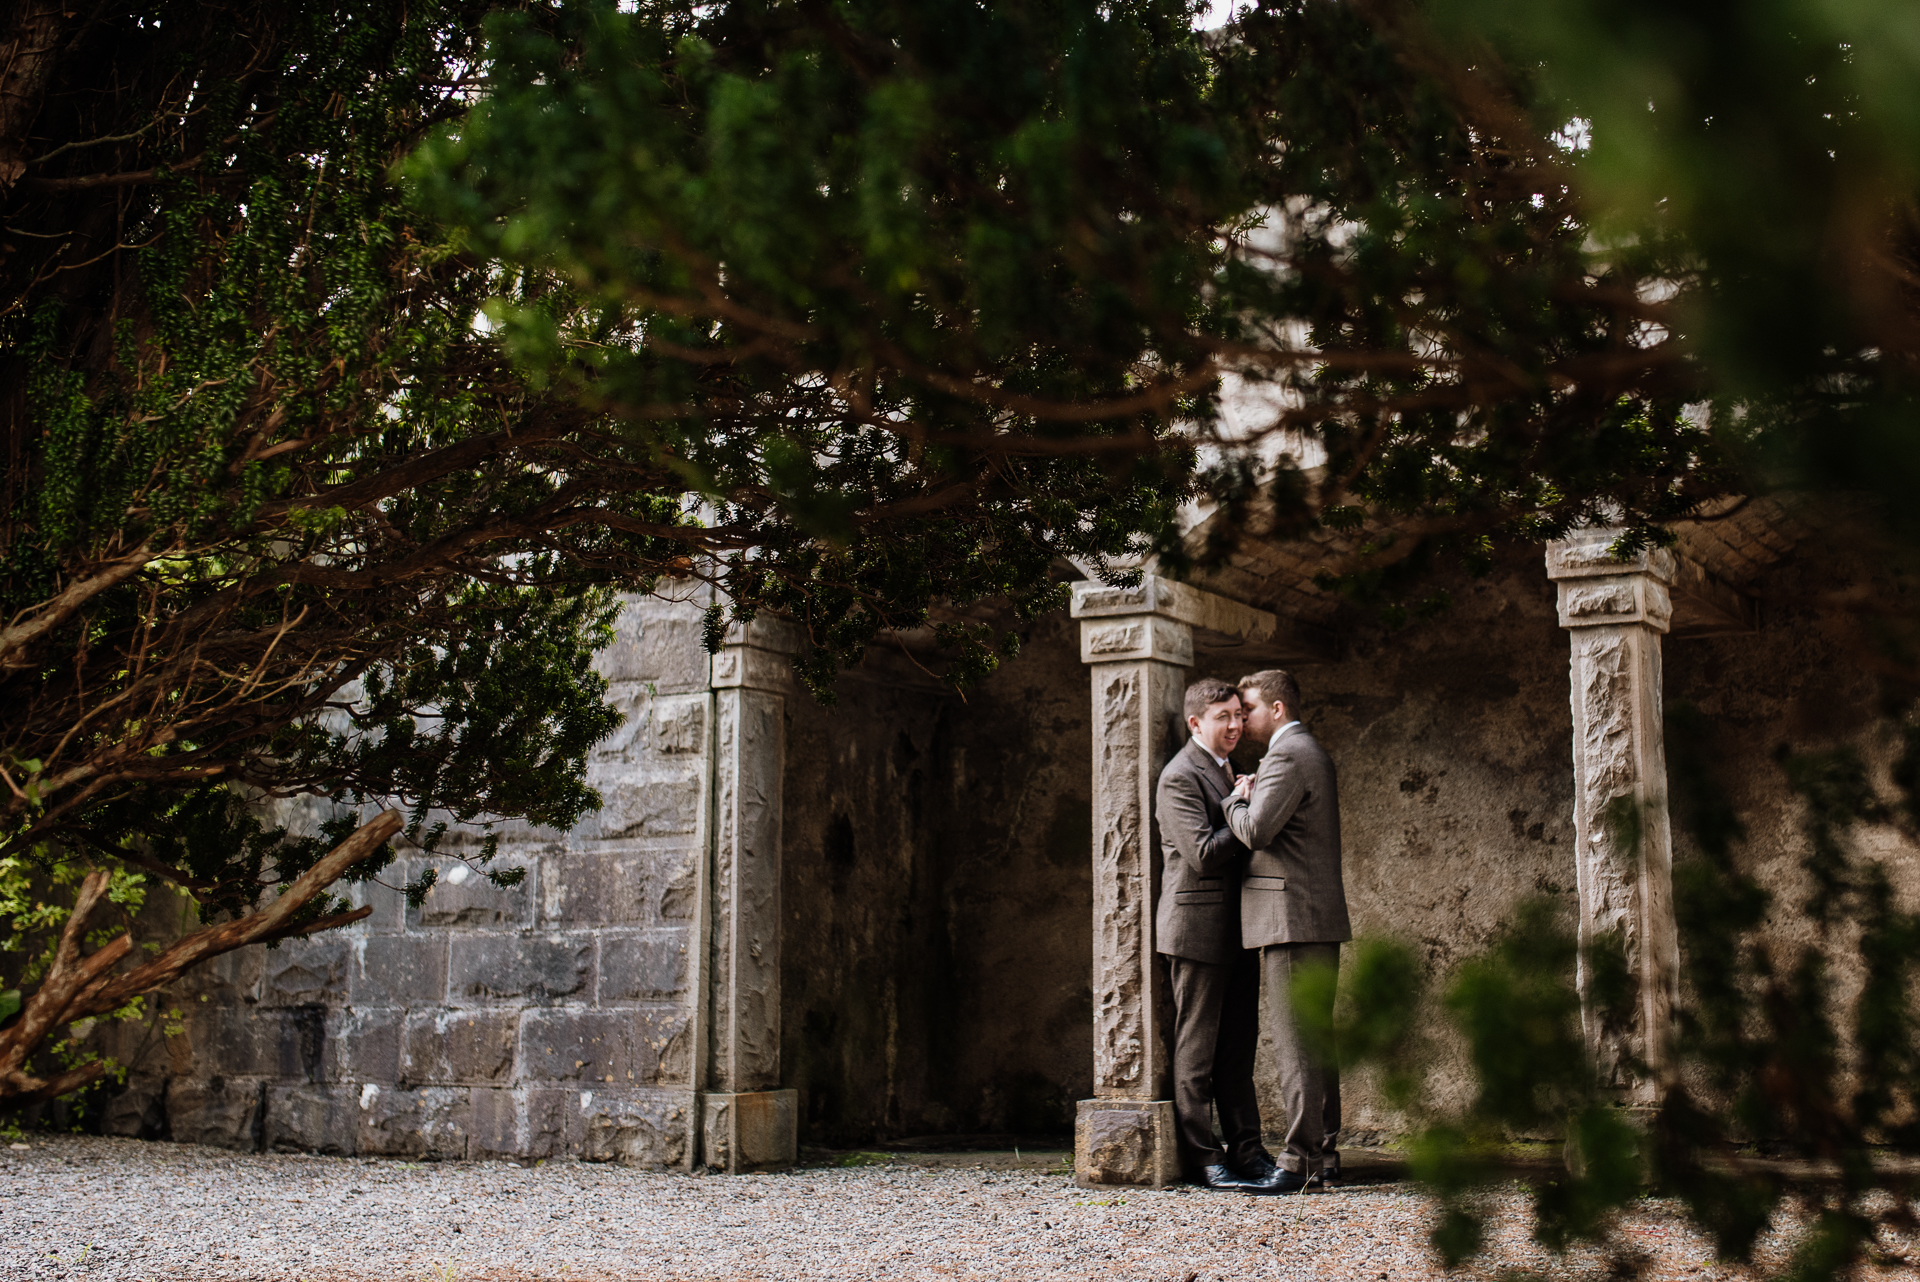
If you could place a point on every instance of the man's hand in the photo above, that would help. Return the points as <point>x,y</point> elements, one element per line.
<point>1243,787</point>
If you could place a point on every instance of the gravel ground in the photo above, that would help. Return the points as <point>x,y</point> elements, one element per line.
<point>77,1207</point>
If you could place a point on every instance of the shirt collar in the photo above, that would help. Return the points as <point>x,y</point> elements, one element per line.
<point>1283,729</point>
<point>1218,761</point>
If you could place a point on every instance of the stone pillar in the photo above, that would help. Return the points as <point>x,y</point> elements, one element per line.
<point>1615,612</point>
<point>1138,658</point>
<point>746,1121</point>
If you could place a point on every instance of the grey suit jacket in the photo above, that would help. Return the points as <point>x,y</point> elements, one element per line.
<point>1199,912</point>
<point>1293,893</point>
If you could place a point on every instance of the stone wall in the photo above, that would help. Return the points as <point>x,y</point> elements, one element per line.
<point>933,969</point>
<point>544,1019</point>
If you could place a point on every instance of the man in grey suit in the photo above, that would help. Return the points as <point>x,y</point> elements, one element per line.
<point>1293,906</point>
<point>1216,982</point>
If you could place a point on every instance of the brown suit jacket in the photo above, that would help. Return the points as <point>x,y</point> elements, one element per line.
<point>1199,912</point>
<point>1293,893</point>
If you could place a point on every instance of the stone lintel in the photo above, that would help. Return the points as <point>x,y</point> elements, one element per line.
<point>1130,639</point>
<point>1705,605</point>
<point>749,1130</point>
<point>1127,1142</point>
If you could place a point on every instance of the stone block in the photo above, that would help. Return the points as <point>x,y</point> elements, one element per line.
<point>229,978</point>
<point>646,965</point>
<point>1118,1141</point>
<point>474,1047</point>
<point>749,1130</point>
<point>679,725</point>
<point>383,895</point>
<point>305,971</point>
<point>677,877</point>
<point>463,897</point>
<point>595,887</point>
<point>634,701</point>
<point>397,970</point>
<point>660,803</point>
<point>363,1044</point>
<point>139,1111</point>
<point>310,1119</point>
<point>222,1112</point>
<point>668,725</point>
<point>659,642</point>
<point>536,968</point>
<point>639,1127</point>
<point>642,1045</point>
<point>245,1041</point>
<point>517,1125</point>
<point>430,1122</point>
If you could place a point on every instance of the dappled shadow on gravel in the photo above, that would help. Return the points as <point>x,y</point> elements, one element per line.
<point>86,1208</point>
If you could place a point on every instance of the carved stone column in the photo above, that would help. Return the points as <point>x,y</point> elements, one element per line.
<point>747,1121</point>
<point>1615,612</point>
<point>1138,659</point>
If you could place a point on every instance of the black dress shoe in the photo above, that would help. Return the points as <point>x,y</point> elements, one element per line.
<point>1216,1175</point>
<point>1325,1178</point>
<point>1279,1180</point>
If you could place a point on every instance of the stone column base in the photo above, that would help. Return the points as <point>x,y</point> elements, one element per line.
<point>1126,1141</point>
<point>750,1130</point>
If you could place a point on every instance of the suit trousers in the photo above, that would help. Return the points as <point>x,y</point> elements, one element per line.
<point>1215,1030</point>
<point>1309,1083</point>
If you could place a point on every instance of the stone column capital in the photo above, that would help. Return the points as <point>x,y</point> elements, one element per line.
<point>754,656</point>
<point>1599,589</point>
<point>1587,554</point>
<point>1175,602</point>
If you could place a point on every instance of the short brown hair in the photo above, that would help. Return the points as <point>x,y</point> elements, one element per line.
<point>1272,685</point>
<point>1206,692</point>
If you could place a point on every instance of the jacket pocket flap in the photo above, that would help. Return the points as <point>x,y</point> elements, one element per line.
<point>1198,897</point>
<point>1265,883</point>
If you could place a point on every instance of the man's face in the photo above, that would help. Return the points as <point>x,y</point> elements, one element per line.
<point>1218,728</point>
<point>1262,718</point>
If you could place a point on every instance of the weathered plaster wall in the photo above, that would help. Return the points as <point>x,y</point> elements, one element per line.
<point>864,965</point>
<point>1804,682</point>
<point>936,884</point>
<point>1019,824</point>
<point>543,1019</point>
<point>1452,740</point>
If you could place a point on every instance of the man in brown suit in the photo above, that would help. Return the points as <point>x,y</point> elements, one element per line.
<point>1216,982</point>
<point>1293,906</point>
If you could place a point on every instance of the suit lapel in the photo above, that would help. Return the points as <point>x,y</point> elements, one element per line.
<point>1211,776</point>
